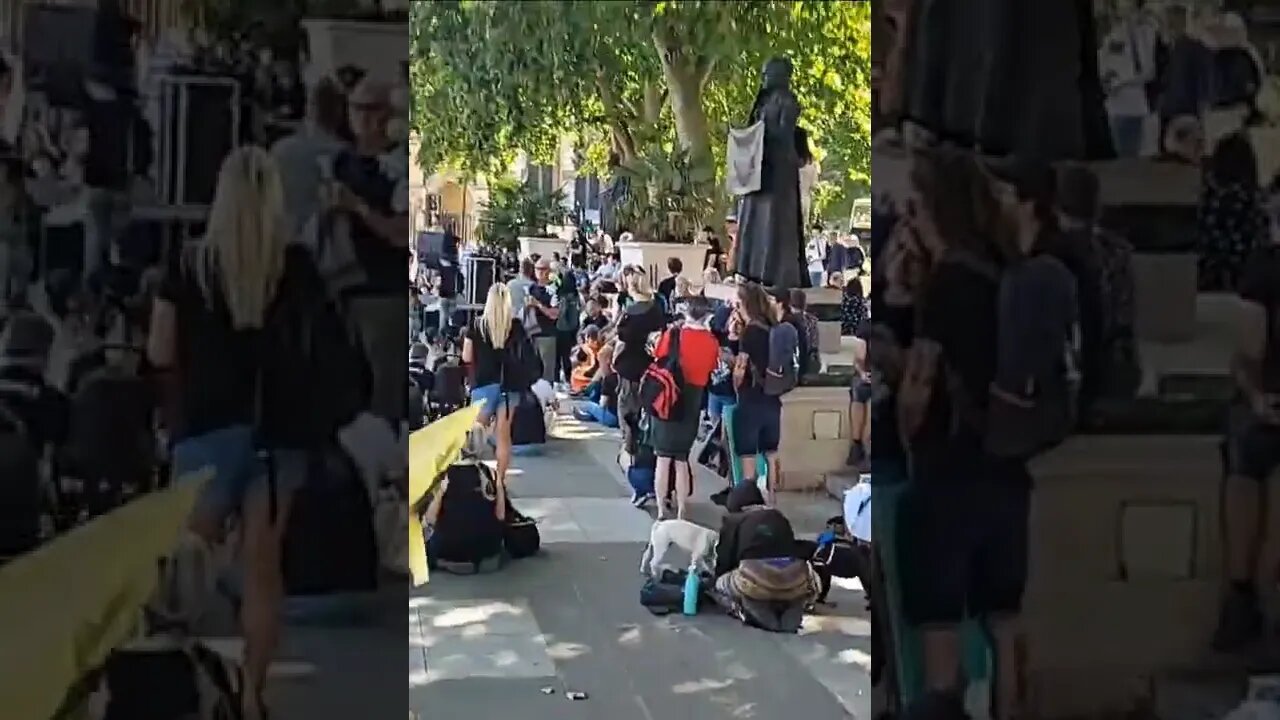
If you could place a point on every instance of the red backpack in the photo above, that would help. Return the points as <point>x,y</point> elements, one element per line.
<point>662,385</point>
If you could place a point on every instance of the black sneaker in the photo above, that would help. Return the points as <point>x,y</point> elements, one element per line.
<point>857,455</point>
<point>1239,622</point>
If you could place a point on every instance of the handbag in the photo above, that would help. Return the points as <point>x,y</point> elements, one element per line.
<point>520,536</point>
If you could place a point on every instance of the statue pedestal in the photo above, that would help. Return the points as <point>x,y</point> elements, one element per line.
<point>653,257</point>
<point>815,437</point>
<point>541,246</point>
<point>379,48</point>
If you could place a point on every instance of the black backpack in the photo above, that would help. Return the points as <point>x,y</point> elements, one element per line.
<point>520,537</point>
<point>521,365</point>
<point>165,678</point>
<point>330,545</point>
<point>468,537</point>
<point>316,378</point>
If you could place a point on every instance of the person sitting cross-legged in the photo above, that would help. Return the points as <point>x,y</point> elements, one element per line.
<point>604,410</point>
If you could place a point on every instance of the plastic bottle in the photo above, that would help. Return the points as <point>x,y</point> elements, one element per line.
<point>691,583</point>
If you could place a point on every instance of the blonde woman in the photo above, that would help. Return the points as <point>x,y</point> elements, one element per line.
<point>212,316</point>
<point>641,318</point>
<point>489,350</point>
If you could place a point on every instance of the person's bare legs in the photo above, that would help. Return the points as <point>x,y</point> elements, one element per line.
<point>263,590</point>
<point>662,484</point>
<point>1006,676</point>
<point>941,658</point>
<point>684,488</point>
<point>1243,510</point>
<point>502,442</point>
<point>775,478</point>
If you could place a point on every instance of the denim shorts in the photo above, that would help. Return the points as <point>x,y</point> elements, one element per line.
<point>716,404</point>
<point>494,398</point>
<point>237,468</point>
<point>757,426</point>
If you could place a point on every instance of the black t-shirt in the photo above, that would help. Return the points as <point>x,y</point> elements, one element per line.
<point>638,322</point>
<point>712,257</point>
<point>487,361</point>
<point>667,288</point>
<point>218,366</point>
<point>601,321</point>
<point>609,392</point>
<point>1261,284</point>
<point>797,321</point>
<point>110,125</point>
<point>577,253</point>
<point>959,314</point>
<point>754,343</point>
<point>546,325</point>
<point>385,264</point>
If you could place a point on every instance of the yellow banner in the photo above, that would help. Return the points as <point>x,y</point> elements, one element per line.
<point>65,606</point>
<point>431,451</point>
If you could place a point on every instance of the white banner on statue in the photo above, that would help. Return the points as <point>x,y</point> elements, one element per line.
<point>744,158</point>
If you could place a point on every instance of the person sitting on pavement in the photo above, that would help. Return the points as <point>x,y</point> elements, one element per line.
<point>758,578</point>
<point>586,360</point>
<point>419,371</point>
<point>595,315</point>
<point>24,356</point>
<point>603,410</point>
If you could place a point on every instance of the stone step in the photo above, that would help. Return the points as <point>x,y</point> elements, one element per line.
<point>838,483</point>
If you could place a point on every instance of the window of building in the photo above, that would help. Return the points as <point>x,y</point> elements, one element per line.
<point>542,178</point>
<point>586,192</point>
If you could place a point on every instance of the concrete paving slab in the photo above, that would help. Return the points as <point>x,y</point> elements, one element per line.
<point>634,665</point>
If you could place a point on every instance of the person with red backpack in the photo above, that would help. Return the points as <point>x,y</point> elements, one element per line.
<point>685,357</point>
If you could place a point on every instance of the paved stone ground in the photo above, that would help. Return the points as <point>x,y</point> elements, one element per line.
<point>570,621</point>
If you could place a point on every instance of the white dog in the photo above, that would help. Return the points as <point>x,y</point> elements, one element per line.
<point>696,542</point>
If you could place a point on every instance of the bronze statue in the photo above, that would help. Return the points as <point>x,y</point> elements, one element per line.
<point>770,246</point>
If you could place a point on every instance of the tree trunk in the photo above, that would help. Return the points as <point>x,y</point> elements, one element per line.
<point>686,75</point>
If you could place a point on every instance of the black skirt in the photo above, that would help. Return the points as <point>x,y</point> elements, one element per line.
<point>674,438</point>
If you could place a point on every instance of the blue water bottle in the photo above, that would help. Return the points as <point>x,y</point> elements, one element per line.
<point>691,582</point>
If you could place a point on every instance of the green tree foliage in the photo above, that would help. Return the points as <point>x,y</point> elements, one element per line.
<point>634,76</point>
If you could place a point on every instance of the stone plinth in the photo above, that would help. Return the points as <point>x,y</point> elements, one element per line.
<point>653,256</point>
<point>815,436</point>
<point>379,48</point>
<point>1164,296</point>
<point>543,246</point>
<point>1125,569</point>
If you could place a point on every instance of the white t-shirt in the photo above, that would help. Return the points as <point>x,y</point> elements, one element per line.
<point>857,511</point>
<point>1127,58</point>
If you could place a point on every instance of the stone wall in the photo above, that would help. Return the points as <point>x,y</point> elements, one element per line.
<point>1125,569</point>
<point>815,436</point>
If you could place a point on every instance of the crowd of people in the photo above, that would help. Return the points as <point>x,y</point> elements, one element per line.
<point>246,356</point>
<point>1166,73</point>
<point>686,379</point>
